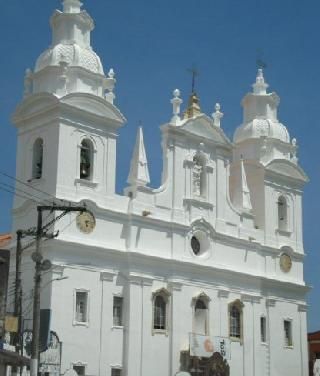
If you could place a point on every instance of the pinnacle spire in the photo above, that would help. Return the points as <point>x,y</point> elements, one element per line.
<point>260,86</point>
<point>72,6</point>
<point>245,192</point>
<point>139,173</point>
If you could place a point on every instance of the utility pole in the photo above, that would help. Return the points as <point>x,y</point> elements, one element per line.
<point>39,267</point>
<point>18,289</point>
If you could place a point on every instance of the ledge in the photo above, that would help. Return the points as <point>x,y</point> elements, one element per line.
<point>85,183</point>
<point>198,202</point>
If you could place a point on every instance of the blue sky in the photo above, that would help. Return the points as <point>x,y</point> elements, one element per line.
<point>151,44</point>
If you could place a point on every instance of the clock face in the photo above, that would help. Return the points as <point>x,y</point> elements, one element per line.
<point>86,222</point>
<point>285,262</point>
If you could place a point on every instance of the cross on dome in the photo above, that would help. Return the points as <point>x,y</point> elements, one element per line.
<point>260,86</point>
<point>72,6</point>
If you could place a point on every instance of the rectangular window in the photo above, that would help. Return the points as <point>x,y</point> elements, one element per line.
<point>287,326</point>
<point>116,371</point>
<point>263,329</point>
<point>81,370</point>
<point>81,314</point>
<point>117,311</point>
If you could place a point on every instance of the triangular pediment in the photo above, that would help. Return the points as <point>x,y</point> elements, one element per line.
<point>286,168</point>
<point>203,126</point>
<point>95,105</point>
<point>42,102</point>
<point>34,104</point>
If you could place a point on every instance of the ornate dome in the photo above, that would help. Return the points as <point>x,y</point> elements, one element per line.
<point>72,54</point>
<point>262,128</point>
<point>260,114</point>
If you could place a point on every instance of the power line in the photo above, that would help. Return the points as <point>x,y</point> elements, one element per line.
<point>14,189</point>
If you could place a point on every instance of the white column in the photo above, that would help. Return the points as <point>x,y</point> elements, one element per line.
<point>176,326</point>
<point>223,327</point>
<point>106,314</point>
<point>302,309</point>
<point>248,335</point>
<point>272,341</point>
<point>134,324</point>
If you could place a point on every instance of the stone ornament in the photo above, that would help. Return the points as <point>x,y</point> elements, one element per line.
<point>285,262</point>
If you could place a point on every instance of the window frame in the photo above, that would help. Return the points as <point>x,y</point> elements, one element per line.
<point>79,364</point>
<point>283,214</point>
<point>205,299</point>
<point>166,295</point>
<point>91,148</point>
<point>115,297</point>
<point>263,330</point>
<point>116,368</point>
<point>37,144</point>
<point>239,305</point>
<point>288,345</point>
<point>76,322</point>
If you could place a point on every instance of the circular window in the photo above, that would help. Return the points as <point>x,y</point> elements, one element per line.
<point>195,245</point>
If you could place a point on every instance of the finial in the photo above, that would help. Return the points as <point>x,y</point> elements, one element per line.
<point>72,6</point>
<point>193,108</point>
<point>217,115</point>
<point>294,157</point>
<point>260,86</point>
<point>27,82</point>
<point>109,86</point>
<point>176,103</point>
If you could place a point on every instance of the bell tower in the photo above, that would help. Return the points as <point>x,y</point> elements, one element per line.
<point>267,157</point>
<point>67,122</point>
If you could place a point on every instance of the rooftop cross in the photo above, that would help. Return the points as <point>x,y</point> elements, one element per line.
<point>194,73</point>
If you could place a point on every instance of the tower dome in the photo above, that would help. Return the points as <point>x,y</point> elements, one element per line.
<point>260,115</point>
<point>70,64</point>
<point>71,54</point>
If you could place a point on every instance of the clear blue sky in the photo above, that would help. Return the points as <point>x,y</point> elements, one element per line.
<point>150,45</point>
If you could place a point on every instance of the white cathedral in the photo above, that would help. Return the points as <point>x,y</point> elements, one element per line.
<point>202,275</point>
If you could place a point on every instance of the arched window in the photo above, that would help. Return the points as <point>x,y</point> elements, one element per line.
<point>86,160</point>
<point>160,310</point>
<point>235,320</point>
<point>199,176</point>
<point>282,213</point>
<point>37,159</point>
<point>200,317</point>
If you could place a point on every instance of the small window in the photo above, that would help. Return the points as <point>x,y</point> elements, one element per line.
<point>160,313</point>
<point>116,371</point>
<point>81,370</point>
<point>200,317</point>
<point>86,156</point>
<point>263,329</point>
<point>37,161</point>
<point>81,306</point>
<point>287,325</point>
<point>235,320</point>
<point>117,311</point>
<point>282,214</point>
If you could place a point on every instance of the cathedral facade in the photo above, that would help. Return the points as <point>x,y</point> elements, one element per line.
<point>203,274</point>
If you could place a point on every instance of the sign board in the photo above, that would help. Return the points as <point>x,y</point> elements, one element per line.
<point>204,346</point>
<point>11,324</point>
<point>182,373</point>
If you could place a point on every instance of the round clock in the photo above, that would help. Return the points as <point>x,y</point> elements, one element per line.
<point>285,262</point>
<point>195,245</point>
<point>86,222</point>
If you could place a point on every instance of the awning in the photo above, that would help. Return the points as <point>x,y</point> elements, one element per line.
<point>11,358</point>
